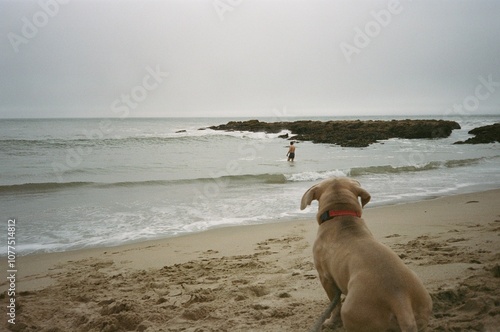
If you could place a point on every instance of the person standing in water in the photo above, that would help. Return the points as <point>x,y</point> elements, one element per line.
<point>291,152</point>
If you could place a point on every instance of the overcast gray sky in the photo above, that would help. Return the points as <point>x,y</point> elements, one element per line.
<point>77,58</point>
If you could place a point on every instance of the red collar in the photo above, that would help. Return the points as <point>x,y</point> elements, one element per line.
<point>330,214</point>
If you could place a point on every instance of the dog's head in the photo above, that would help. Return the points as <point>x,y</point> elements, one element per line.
<point>336,194</point>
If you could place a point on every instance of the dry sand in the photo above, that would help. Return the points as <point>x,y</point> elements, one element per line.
<point>261,278</point>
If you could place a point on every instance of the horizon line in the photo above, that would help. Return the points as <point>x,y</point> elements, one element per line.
<point>244,116</point>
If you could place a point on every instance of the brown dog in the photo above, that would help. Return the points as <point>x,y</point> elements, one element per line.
<point>381,293</point>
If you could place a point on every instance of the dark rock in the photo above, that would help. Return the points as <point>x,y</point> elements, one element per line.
<point>348,133</point>
<point>484,135</point>
<point>181,131</point>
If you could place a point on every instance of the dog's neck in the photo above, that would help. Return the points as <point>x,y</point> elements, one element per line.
<point>330,214</point>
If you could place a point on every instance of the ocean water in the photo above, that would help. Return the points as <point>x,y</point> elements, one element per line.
<point>77,183</point>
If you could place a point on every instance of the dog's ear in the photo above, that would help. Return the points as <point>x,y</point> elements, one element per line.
<point>310,195</point>
<point>365,196</point>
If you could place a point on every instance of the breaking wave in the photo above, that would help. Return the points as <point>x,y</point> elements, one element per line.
<point>267,178</point>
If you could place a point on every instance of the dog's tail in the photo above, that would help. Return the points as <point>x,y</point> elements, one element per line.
<point>326,313</point>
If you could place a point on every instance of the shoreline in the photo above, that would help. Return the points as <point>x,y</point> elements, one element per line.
<point>454,192</point>
<point>259,275</point>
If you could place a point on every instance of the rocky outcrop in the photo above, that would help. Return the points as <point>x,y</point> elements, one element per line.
<point>484,134</point>
<point>348,133</point>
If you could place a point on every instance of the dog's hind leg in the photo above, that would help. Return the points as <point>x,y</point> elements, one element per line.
<point>334,294</point>
<point>360,313</point>
<point>406,319</point>
<point>328,312</point>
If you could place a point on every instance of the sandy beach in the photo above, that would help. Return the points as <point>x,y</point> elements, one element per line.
<point>260,277</point>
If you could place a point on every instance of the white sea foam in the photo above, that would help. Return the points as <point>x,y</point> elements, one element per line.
<point>314,176</point>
